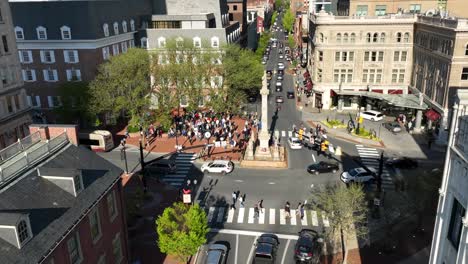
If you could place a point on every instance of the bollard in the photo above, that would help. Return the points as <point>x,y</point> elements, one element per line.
<point>338,151</point>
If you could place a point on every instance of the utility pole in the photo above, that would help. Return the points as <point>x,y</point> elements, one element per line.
<point>124,152</point>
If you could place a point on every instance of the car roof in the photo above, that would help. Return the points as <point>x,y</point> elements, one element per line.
<point>373,112</point>
<point>294,138</point>
<point>223,162</point>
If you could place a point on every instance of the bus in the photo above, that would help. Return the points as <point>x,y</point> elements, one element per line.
<point>97,140</point>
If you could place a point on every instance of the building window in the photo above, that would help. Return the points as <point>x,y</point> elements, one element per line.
<point>132,25</point>
<point>124,26</point>
<point>47,56</point>
<point>19,33</point>
<point>116,28</point>
<point>23,232</point>
<point>115,49</point>
<point>455,227</point>
<point>73,75</point>
<point>235,7</point>
<point>344,56</point>
<point>105,53</point>
<point>34,101</point>
<point>382,37</point>
<point>25,56</point>
<point>144,43</point>
<point>372,76</point>
<point>321,37</point>
<point>466,50</point>
<point>132,43</point>
<point>343,75</point>
<point>66,32</point>
<point>368,37</point>
<point>338,38</point>
<point>161,42</point>
<point>29,75</point>
<point>117,249</point>
<point>398,75</point>
<point>5,43</point>
<point>352,39</point>
<point>380,10</point>
<point>105,28</point>
<point>197,42</point>
<point>464,75</point>
<point>41,33</point>
<point>406,37</point>
<point>74,250</point>
<point>112,205</point>
<point>398,37</point>
<point>416,9</point>
<point>95,225</point>
<point>361,10</point>
<point>231,17</point>
<point>375,37</point>
<point>71,56</point>
<point>400,55</point>
<point>345,38</point>
<point>77,183</point>
<point>320,55</point>
<point>50,75</point>
<point>373,56</point>
<point>124,47</point>
<point>215,42</point>
<point>319,75</point>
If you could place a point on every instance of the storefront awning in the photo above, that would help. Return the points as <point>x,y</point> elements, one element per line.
<point>432,115</point>
<point>400,100</point>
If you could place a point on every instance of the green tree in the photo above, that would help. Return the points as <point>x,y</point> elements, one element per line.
<point>74,107</point>
<point>122,86</point>
<point>279,4</point>
<point>262,44</point>
<point>291,41</point>
<point>273,17</point>
<point>288,20</point>
<point>346,209</point>
<point>182,229</point>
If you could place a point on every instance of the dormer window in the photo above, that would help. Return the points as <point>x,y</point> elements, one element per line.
<point>105,28</point>
<point>23,232</point>
<point>78,183</point>
<point>215,42</point>
<point>41,33</point>
<point>19,33</point>
<point>66,32</point>
<point>116,28</point>
<point>132,25</point>
<point>124,26</point>
<point>16,229</point>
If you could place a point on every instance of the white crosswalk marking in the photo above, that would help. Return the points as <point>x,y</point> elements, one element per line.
<point>240,216</point>
<point>314,218</point>
<point>272,216</point>
<point>283,133</point>
<point>220,214</point>
<point>326,223</point>
<point>304,220</point>
<point>282,217</point>
<point>210,213</point>
<point>293,217</point>
<point>251,216</point>
<point>183,163</point>
<point>231,215</point>
<point>261,217</point>
<point>370,157</point>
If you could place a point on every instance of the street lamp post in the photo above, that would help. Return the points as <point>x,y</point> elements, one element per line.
<point>124,152</point>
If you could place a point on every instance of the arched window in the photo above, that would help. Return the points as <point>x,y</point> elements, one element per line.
<point>345,38</point>
<point>66,32</point>
<point>41,32</point>
<point>215,42</point>
<point>132,25</point>
<point>376,37</point>
<point>116,28</point>
<point>382,37</point>
<point>23,232</point>
<point>398,37</point>
<point>406,37</point>
<point>144,43</point>
<point>105,28</point>
<point>197,42</point>
<point>353,38</point>
<point>162,42</point>
<point>124,26</point>
<point>368,37</point>
<point>338,38</point>
<point>19,33</point>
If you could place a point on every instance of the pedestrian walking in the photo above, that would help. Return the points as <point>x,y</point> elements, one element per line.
<point>260,205</point>
<point>298,211</point>
<point>234,199</point>
<point>242,200</point>
<point>256,211</point>
<point>410,125</point>
<point>287,210</point>
<point>301,210</point>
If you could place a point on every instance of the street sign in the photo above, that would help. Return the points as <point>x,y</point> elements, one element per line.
<point>187,198</point>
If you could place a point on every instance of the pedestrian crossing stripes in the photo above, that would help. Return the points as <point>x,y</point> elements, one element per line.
<point>266,216</point>
<point>285,133</point>
<point>183,162</point>
<point>370,157</point>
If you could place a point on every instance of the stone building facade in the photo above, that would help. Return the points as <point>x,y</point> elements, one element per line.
<point>15,114</point>
<point>383,7</point>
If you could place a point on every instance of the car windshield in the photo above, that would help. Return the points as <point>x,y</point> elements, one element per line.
<point>296,141</point>
<point>304,249</point>
<point>262,256</point>
<point>353,172</point>
<point>379,115</point>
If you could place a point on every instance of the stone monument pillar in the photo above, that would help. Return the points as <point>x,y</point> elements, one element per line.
<point>263,149</point>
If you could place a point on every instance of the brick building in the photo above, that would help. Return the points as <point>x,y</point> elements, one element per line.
<point>61,203</point>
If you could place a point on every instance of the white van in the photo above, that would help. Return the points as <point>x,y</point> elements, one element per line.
<point>97,140</point>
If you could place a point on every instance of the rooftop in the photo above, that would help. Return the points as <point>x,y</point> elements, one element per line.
<point>323,17</point>
<point>186,17</point>
<point>448,23</point>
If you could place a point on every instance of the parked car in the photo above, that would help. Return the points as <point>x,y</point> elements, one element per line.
<point>279,77</point>
<point>279,99</point>
<point>264,62</point>
<point>294,143</point>
<point>163,166</point>
<point>218,166</point>
<point>215,254</point>
<point>290,94</point>
<point>402,163</point>
<point>358,175</point>
<point>280,72</point>
<point>280,66</point>
<point>372,115</point>
<point>323,167</point>
<point>393,126</point>
<point>279,87</point>
<point>266,248</point>
<point>281,56</point>
<point>269,74</point>
<point>308,246</point>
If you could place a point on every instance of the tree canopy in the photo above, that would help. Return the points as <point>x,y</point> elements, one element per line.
<point>288,20</point>
<point>122,86</point>
<point>74,98</point>
<point>182,229</point>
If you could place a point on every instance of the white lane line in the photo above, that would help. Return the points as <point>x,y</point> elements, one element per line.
<point>313,158</point>
<point>282,217</point>
<point>326,223</point>
<point>272,216</point>
<point>251,250</point>
<point>304,220</point>
<point>251,216</point>
<point>284,253</point>
<point>210,214</point>
<point>314,218</point>
<point>237,248</point>
<point>240,216</point>
<point>289,133</point>
<point>283,133</point>
<point>220,214</point>
<point>230,215</point>
<point>261,217</point>
<point>249,233</point>
<point>293,217</point>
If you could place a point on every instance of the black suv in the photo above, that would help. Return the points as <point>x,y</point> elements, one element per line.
<point>308,247</point>
<point>323,166</point>
<point>265,249</point>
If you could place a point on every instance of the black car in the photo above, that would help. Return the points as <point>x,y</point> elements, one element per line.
<point>308,246</point>
<point>323,166</point>
<point>290,95</point>
<point>266,248</point>
<point>392,126</point>
<point>402,163</point>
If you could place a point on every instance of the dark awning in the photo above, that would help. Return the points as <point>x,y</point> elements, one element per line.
<point>432,115</point>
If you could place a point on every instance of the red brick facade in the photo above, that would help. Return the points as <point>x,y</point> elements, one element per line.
<point>50,131</point>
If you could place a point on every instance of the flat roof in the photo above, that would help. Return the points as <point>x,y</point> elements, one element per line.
<point>400,100</point>
<point>187,17</point>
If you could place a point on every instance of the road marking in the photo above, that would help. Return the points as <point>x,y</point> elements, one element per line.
<point>313,158</point>
<point>251,216</point>
<point>326,223</point>
<point>252,250</point>
<point>293,217</point>
<point>272,216</point>
<point>238,180</point>
<point>271,183</point>
<point>261,217</point>
<point>283,133</point>
<point>284,252</point>
<point>289,133</point>
<point>237,248</point>
<point>304,220</point>
<point>240,217</point>
<point>230,215</point>
<point>282,217</point>
<point>314,218</point>
<point>220,214</point>
<point>210,214</point>
<point>249,233</point>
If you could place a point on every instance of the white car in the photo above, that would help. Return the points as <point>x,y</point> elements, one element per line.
<point>294,143</point>
<point>218,166</point>
<point>281,56</point>
<point>358,175</point>
<point>280,66</point>
<point>372,115</point>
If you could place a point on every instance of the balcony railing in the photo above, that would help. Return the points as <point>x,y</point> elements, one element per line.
<point>19,146</point>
